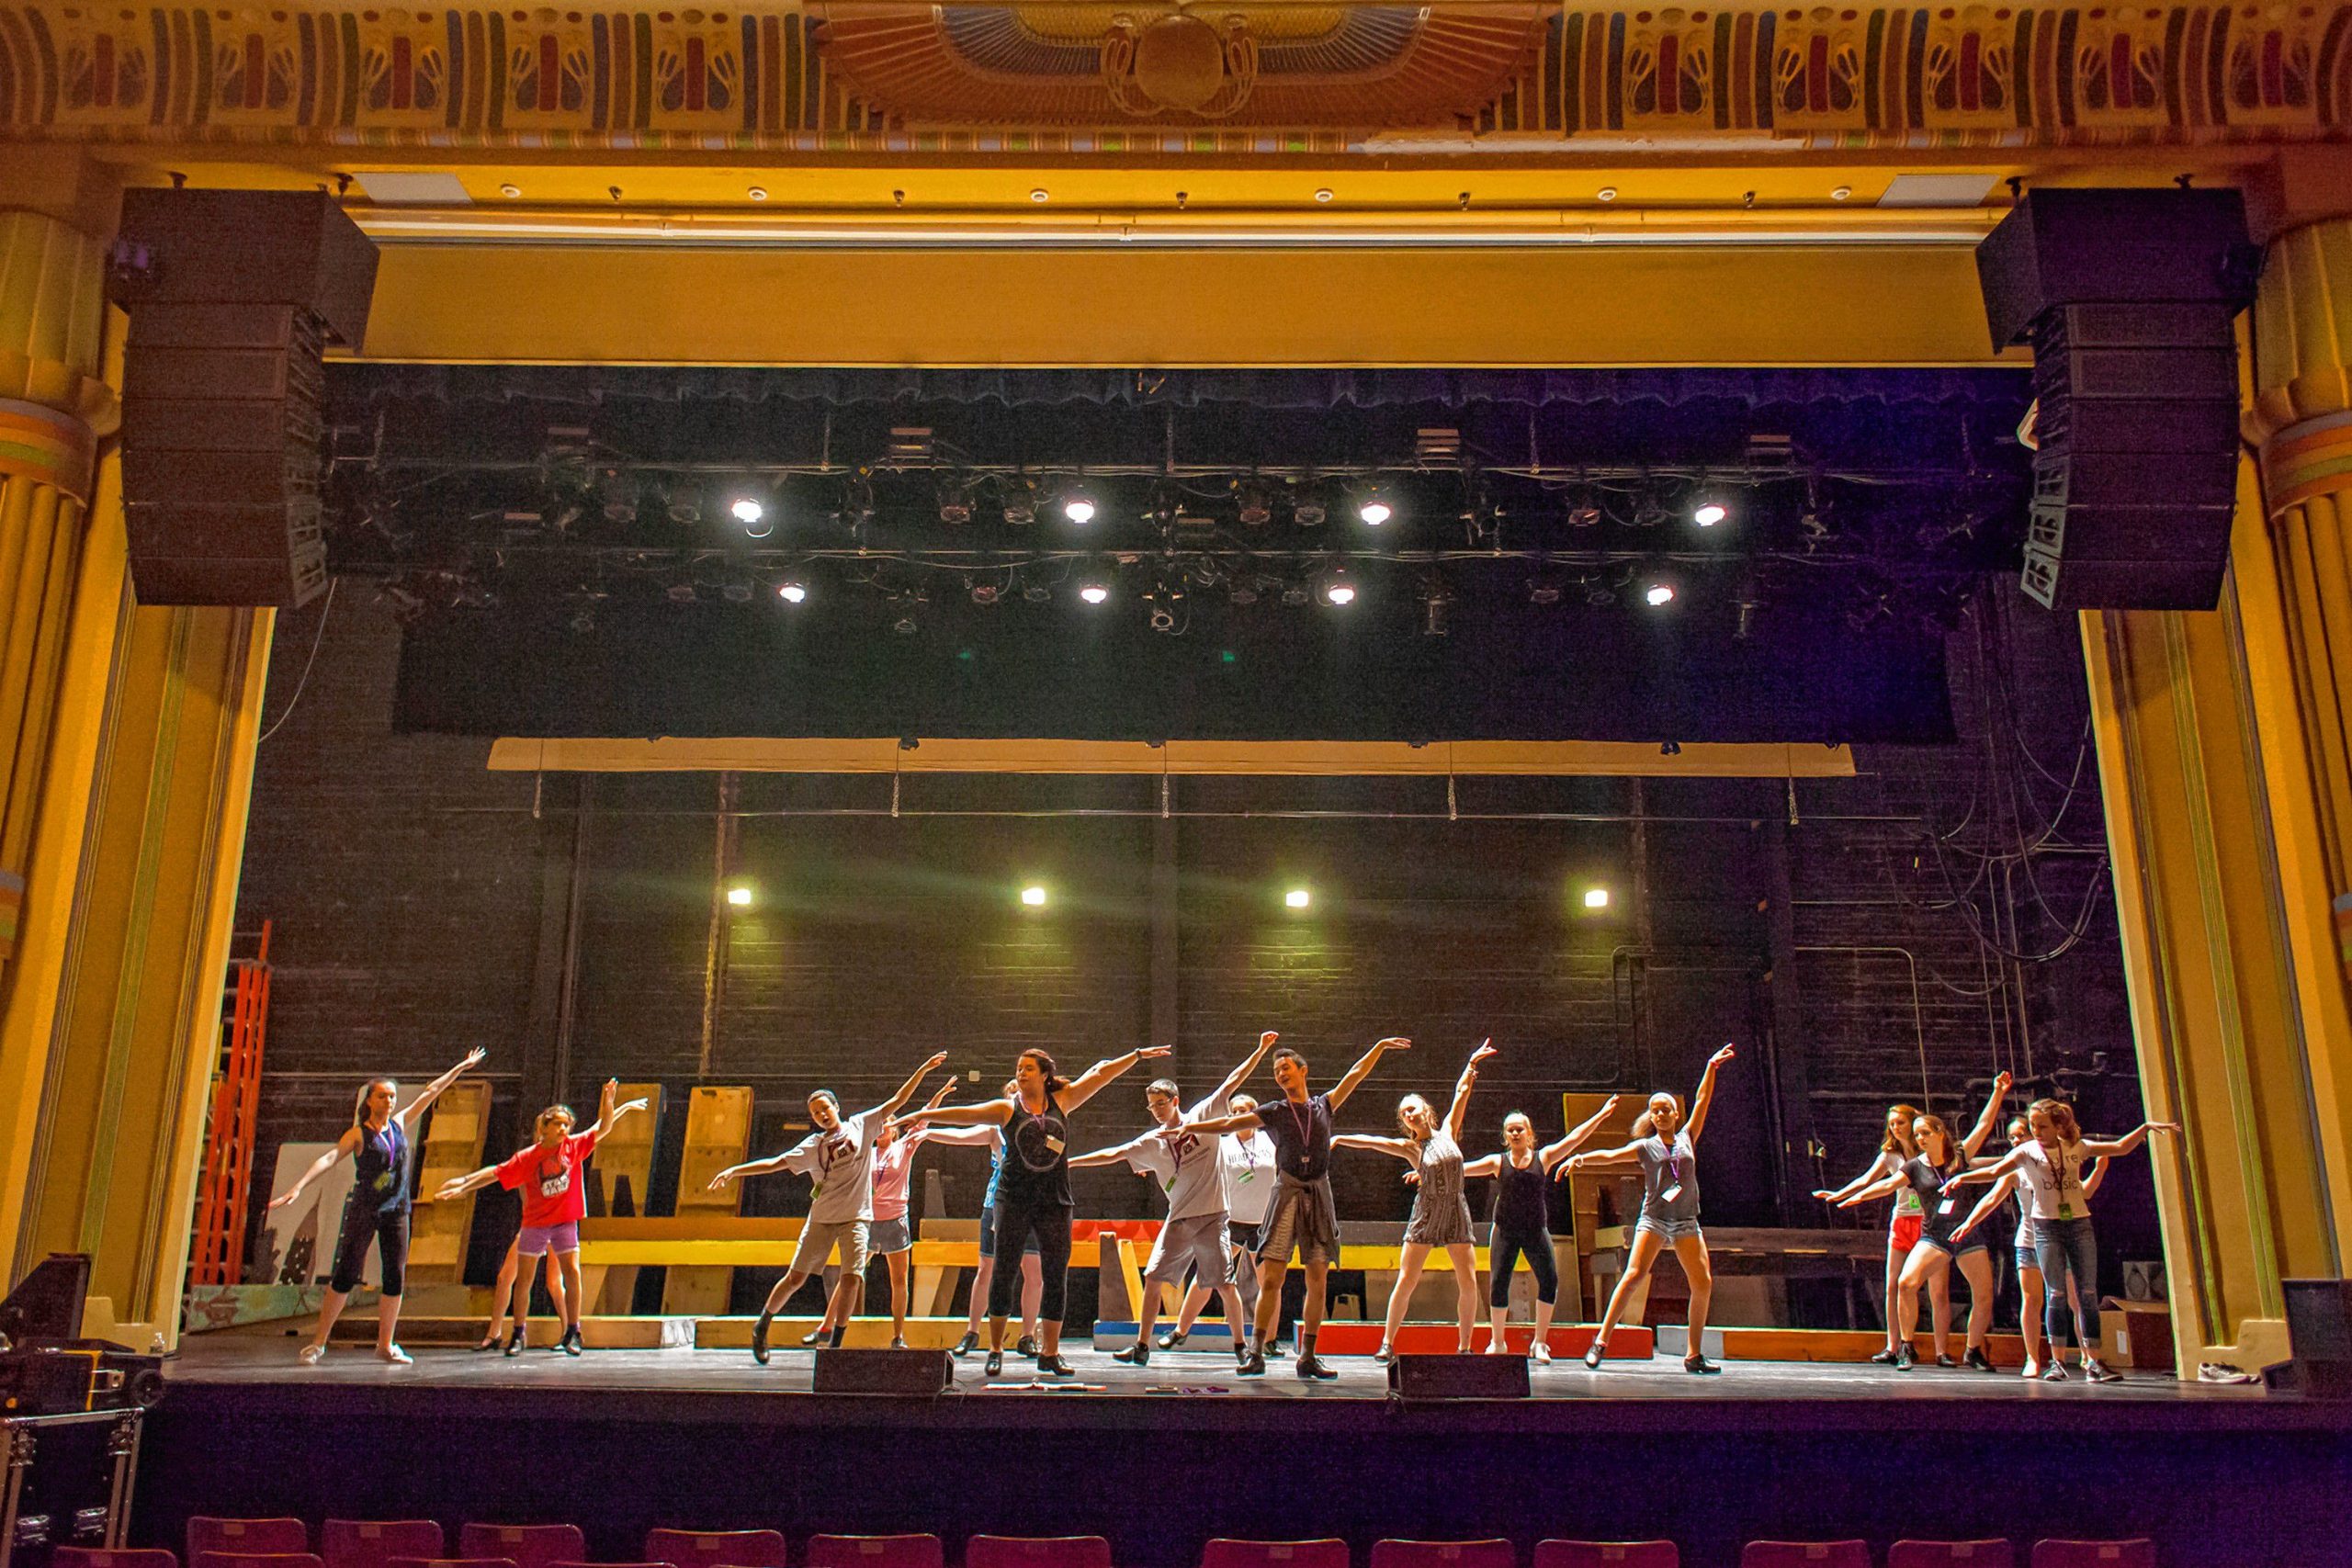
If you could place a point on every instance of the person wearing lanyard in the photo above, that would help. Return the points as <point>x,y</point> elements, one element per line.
<point>1668,1153</point>
<point>1302,1219</point>
<point>1032,1273</point>
<point>2029,1267</point>
<point>1032,1198</point>
<point>1440,1216</point>
<point>1187,1166</point>
<point>1895,1150</point>
<point>1247,1170</point>
<point>2049,1166</point>
<point>1523,1222</point>
<point>1934,1176</point>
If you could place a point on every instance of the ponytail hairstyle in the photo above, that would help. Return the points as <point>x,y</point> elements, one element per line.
<point>367,1092</point>
<point>1952,1144</point>
<point>2062,1116</point>
<point>1405,1104</point>
<point>1892,1142</point>
<point>1055,1082</point>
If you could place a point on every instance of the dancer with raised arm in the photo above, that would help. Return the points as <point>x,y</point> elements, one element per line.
<point>1989,1213</point>
<point>1248,1175</point>
<point>1303,1219</point>
<point>1895,1149</point>
<point>379,1143</point>
<point>1032,1273</point>
<point>1187,1166</point>
<point>1668,1153</point>
<point>1440,1216</point>
<point>2049,1166</point>
<point>554,1203</point>
<point>839,1156</point>
<point>1033,1197</point>
<point>1521,1222</point>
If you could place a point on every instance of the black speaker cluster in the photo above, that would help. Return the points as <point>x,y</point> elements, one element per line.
<point>2127,297</point>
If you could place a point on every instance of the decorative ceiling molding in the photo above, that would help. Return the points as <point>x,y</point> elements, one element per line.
<point>857,77</point>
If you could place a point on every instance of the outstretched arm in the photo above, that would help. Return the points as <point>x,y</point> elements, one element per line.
<point>1553,1153</point>
<point>1876,1189</point>
<point>986,1113</point>
<point>1706,1094</point>
<point>1111,1156</point>
<point>2108,1148</point>
<point>1485,1165</point>
<point>320,1167</point>
<point>1240,1075</point>
<point>1985,1205</point>
<point>459,1185</point>
<point>759,1167</point>
<point>1984,1128</point>
<point>897,1102</point>
<point>1999,1167</point>
<point>1877,1169</point>
<point>1210,1127</point>
<point>608,1114</point>
<point>1593,1158</point>
<point>1362,1070</point>
<point>1404,1150</point>
<point>432,1091</point>
<point>1083,1089</point>
<point>1460,1109</point>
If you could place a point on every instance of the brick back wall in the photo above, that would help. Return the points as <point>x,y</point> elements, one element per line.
<point>406,883</point>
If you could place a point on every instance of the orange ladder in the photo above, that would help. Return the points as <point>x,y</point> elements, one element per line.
<point>224,1200</point>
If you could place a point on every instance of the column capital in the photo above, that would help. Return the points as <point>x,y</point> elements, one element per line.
<point>54,400</point>
<point>2302,334</point>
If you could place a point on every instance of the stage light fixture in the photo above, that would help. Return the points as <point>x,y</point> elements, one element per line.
<point>955,502</point>
<point>1596,898</point>
<point>1296,593</point>
<point>1308,510</point>
<point>1094,590</point>
<point>1297,898</point>
<point>1020,502</point>
<point>747,509</point>
<point>1710,510</point>
<point>792,590</point>
<point>1036,592</point>
<point>1033,897</point>
<point>1584,514</point>
<point>1077,506</point>
<point>684,510</point>
<point>1373,508</point>
<point>1338,587</point>
<point>987,593</point>
<point>1255,505</point>
<point>739,894</point>
<point>1658,596</point>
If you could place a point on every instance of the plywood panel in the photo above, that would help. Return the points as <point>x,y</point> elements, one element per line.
<point>453,1140</point>
<point>718,1133</point>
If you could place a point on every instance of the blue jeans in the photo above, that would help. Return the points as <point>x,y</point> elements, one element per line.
<point>2060,1247</point>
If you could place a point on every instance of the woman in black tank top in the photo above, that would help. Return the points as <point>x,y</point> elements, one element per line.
<point>378,1143</point>
<point>1033,1186</point>
<point>1523,1226</point>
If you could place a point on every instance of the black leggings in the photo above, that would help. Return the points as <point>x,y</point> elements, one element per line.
<point>388,1228</point>
<point>1504,1253</point>
<point>1014,1222</point>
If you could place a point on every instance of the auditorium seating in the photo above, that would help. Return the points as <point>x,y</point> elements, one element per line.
<point>1330,1552</point>
<point>526,1546</point>
<point>450,1563</point>
<point>1950,1554</point>
<point>121,1557</point>
<point>256,1559</point>
<point>1037,1552</point>
<point>373,1543</point>
<point>875,1551</point>
<point>1805,1555</point>
<point>1495,1554</point>
<point>715,1549</point>
<point>1607,1554</point>
<point>2094,1554</point>
<point>245,1535</point>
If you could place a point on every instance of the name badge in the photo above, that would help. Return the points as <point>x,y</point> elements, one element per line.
<point>1671,1193</point>
<point>2065,1211</point>
<point>1950,1205</point>
<point>1054,1145</point>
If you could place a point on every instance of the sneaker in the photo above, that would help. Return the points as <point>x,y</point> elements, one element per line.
<point>313,1354</point>
<point>1887,1358</point>
<point>2222,1371</point>
<point>1384,1355</point>
<point>1054,1366</point>
<point>1026,1347</point>
<point>1945,1361</point>
<point>1903,1359</point>
<point>760,1337</point>
<point>897,1342</point>
<point>396,1356</point>
<point>570,1344</point>
<point>2055,1372</point>
<point>1699,1366</point>
<point>2099,1372</point>
<point>813,1335</point>
<point>966,1346</point>
<point>993,1365</point>
<point>1312,1370</point>
<point>1254,1364</point>
<point>1170,1338</point>
<point>1541,1354</point>
<point>1136,1355</point>
<point>1976,1360</point>
<point>515,1344</point>
<point>1592,1355</point>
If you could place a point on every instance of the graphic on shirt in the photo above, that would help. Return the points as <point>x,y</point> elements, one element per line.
<point>1036,1145</point>
<point>556,1181</point>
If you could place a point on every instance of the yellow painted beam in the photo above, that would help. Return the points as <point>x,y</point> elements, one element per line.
<point>1299,757</point>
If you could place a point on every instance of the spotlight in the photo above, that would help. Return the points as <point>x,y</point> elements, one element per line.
<point>1543,588</point>
<point>1296,593</point>
<point>1338,589</point>
<point>1437,608</point>
<point>747,509</point>
<point>985,593</point>
<point>1243,592</point>
<point>1033,897</point>
<point>1256,508</point>
<point>1077,506</point>
<point>1658,594</point>
<point>904,625</point>
<point>955,502</point>
<point>1308,511</point>
<point>739,894</point>
<point>1584,514</point>
<point>1094,590</point>
<point>792,590</point>
<point>1596,898</point>
<point>1373,508</point>
<point>1036,592</point>
<point>1020,502</point>
<point>1297,898</point>
<point>1709,512</point>
<point>684,510</point>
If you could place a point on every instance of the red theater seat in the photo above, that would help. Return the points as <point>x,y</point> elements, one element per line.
<point>1805,1555</point>
<point>119,1557</point>
<point>450,1563</point>
<point>875,1551</point>
<point>525,1546</point>
<point>373,1543</point>
<point>1036,1551</point>
<point>1444,1554</point>
<point>710,1549</point>
<point>1952,1554</point>
<point>1330,1552</point>
<point>257,1560</point>
<point>2094,1554</point>
<point>246,1535</point>
<point>1607,1555</point>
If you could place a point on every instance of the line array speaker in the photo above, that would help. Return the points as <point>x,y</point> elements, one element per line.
<point>2127,297</point>
<point>232,296</point>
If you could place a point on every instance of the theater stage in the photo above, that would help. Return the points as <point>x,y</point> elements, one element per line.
<point>1162,1457</point>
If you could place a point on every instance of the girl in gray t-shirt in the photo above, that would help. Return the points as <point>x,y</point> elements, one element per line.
<point>1666,1150</point>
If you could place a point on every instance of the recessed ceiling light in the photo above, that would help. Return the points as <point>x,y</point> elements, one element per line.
<point>1038,195</point>
<point>1606,193</point>
<point>1841,193</point>
<point>759,193</point>
<point>1324,194</point>
<point>510,191</point>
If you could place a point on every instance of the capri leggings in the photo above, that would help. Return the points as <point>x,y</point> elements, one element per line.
<point>1049,1223</point>
<point>1505,1254</point>
<point>388,1228</point>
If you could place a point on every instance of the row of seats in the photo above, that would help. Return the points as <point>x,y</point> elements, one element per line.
<point>421,1543</point>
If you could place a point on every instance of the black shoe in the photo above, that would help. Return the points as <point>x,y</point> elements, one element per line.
<point>515,1343</point>
<point>1593,1354</point>
<point>1170,1338</point>
<point>1240,1355</point>
<point>1904,1359</point>
<point>813,1335</point>
<point>1699,1366</point>
<point>2099,1372</point>
<point>1254,1364</point>
<point>492,1342</point>
<point>570,1344</point>
<point>1945,1361</point>
<point>994,1364</point>
<point>760,1337</point>
<point>1976,1360</point>
<point>966,1346</point>
<point>1025,1346</point>
<point>1136,1355</point>
<point>1054,1366</point>
<point>1886,1357</point>
<point>1312,1370</point>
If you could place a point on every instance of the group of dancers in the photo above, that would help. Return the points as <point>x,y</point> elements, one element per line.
<point>1248,1191</point>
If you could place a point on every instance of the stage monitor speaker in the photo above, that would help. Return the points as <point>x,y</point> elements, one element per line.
<point>2127,297</point>
<point>1459,1376</point>
<point>2319,1336</point>
<point>232,297</point>
<point>921,1373</point>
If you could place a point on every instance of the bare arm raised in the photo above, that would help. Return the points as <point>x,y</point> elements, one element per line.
<point>1362,1070</point>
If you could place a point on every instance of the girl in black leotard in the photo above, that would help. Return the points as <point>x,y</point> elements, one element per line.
<point>1522,1225</point>
<point>377,1141</point>
<point>1033,1188</point>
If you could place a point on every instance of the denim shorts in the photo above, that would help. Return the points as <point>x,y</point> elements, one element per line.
<point>1673,1230</point>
